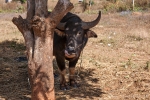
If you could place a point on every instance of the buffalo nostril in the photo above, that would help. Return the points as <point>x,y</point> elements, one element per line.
<point>71,48</point>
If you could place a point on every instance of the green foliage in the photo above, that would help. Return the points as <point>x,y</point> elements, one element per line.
<point>124,5</point>
<point>110,7</point>
<point>91,2</point>
<point>134,38</point>
<point>108,42</point>
<point>20,9</point>
<point>113,1</point>
<point>147,65</point>
<point>22,1</point>
<point>1,10</point>
<point>137,9</point>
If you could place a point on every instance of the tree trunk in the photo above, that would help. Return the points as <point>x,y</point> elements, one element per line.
<point>37,30</point>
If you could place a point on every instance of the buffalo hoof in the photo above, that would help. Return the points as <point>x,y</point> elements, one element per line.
<point>64,87</point>
<point>74,84</point>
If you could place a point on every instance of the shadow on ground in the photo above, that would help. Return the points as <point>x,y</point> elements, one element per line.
<point>14,77</point>
<point>87,90</point>
<point>13,73</point>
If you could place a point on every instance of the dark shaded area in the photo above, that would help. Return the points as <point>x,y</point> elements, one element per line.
<point>87,89</point>
<point>14,76</point>
<point>20,59</point>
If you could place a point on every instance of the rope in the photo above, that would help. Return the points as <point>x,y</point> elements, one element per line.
<point>79,69</point>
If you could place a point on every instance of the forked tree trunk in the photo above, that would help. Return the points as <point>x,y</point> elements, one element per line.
<point>37,30</point>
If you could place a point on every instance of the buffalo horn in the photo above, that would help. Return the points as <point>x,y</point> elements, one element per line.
<point>87,25</point>
<point>61,26</point>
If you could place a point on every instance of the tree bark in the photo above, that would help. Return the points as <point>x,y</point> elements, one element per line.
<point>37,30</point>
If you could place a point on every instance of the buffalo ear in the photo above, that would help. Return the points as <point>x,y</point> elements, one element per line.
<point>60,33</point>
<point>91,34</point>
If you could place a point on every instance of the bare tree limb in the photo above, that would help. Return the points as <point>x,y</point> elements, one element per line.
<point>62,7</point>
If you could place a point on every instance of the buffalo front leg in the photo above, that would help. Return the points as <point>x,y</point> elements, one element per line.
<point>62,71</point>
<point>72,76</point>
<point>63,83</point>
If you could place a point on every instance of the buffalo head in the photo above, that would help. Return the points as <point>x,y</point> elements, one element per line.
<point>77,33</point>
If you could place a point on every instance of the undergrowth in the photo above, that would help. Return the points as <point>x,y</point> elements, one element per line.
<point>103,5</point>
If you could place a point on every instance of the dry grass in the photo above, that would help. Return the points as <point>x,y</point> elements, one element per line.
<point>115,66</point>
<point>120,56</point>
<point>12,7</point>
<point>104,5</point>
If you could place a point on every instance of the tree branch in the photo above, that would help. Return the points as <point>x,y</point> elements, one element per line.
<point>26,32</point>
<point>60,10</point>
<point>41,8</point>
<point>30,9</point>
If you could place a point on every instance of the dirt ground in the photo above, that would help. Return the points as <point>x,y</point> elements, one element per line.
<point>114,66</point>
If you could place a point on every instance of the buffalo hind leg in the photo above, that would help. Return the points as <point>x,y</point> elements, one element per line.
<point>62,71</point>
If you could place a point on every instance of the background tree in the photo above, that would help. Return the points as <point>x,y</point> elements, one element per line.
<point>37,30</point>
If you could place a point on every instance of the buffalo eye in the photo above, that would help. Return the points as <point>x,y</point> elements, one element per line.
<point>79,33</point>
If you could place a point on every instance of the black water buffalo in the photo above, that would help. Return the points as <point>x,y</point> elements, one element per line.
<point>69,46</point>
